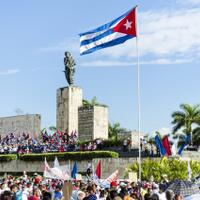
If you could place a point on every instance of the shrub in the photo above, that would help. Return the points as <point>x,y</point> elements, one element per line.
<point>174,168</point>
<point>84,155</point>
<point>7,157</point>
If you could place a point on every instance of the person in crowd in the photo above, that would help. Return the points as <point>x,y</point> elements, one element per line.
<point>169,195</point>
<point>14,190</point>
<point>46,195</point>
<point>178,197</point>
<point>57,195</point>
<point>6,195</point>
<point>103,194</point>
<point>147,196</point>
<point>125,145</point>
<point>154,197</point>
<point>36,194</point>
<point>90,193</point>
<point>80,195</point>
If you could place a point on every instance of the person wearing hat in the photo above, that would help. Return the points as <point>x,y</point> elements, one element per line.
<point>113,185</point>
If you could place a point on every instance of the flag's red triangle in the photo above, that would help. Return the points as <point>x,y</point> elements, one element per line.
<point>128,24</point>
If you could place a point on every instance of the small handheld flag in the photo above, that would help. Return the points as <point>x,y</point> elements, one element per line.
<point>160,145</point>
<point>56,163</point>
<point>98,170</point>
<point>113,176</point>
<point>113,33</point>
<point>74,171</point>
<point>166,145</point>
<point>186,142</point>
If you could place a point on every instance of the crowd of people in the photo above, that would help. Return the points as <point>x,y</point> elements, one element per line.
<point>61,142</point>
<point>38,188</point>
<point>57,142</point>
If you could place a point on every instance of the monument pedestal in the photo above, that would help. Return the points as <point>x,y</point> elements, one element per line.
<point>93,123</point>
<point>69,99</point>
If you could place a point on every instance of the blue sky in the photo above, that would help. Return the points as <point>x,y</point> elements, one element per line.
<point>35,35</point>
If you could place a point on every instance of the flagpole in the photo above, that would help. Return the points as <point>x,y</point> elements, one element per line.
<point>138,100</point>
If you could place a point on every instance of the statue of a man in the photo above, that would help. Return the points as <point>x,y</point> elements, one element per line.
<point>69,67</point>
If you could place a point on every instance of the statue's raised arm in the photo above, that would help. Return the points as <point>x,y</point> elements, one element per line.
<point>69,68</point>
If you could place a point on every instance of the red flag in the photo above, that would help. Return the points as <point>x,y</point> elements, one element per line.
<point>98,170</point>
<point>128,24</point>
<point>166,145</point>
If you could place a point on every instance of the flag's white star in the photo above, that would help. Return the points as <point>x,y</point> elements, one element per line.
<point>128,24</point>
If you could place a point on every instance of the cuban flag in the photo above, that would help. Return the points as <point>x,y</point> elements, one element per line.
<point>113,33</point>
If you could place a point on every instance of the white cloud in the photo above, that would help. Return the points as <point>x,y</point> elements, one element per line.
<point>175,35</point>
<point>165,37</point>
<point>9,71</point>
<point>164,131</point>
<point>170,34</point>
<point>101,63</point>
<point>161,61</point>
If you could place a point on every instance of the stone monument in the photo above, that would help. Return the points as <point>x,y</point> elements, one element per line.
<point>90,123</point>
<point>69,68</point>
<point>93,123</point>
<point>69,99</point>
<point>29,123</point>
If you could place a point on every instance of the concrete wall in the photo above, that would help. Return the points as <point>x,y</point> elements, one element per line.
<point>29,123</point>
<point>93,123</point>
<point>35,166</point>
<point>109,165</point>
<point>131,135</point>
<point>191,155</point>
<point>69,99</point>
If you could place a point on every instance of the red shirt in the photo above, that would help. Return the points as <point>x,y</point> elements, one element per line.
<point>33,198</point>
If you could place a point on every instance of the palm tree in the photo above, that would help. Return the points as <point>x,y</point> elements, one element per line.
<point>185,119</point>
<point>113,130</point>
<point>196,136</point>
<point>92,103</point>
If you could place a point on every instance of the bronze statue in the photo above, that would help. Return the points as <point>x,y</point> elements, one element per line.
<point>69,68</point>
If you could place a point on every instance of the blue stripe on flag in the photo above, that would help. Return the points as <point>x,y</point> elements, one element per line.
<point>105,26</point>
<point>108,44</point>
<point>186,142</point>
<point>106,33</point>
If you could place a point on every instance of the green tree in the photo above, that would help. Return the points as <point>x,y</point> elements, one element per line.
<point>86,103</point>
<point>174,168</point>
<point>186,119</point>
<point>52,128</point>
<point>92,103</point>
<point>196,136</point>
<point>113,130</point>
